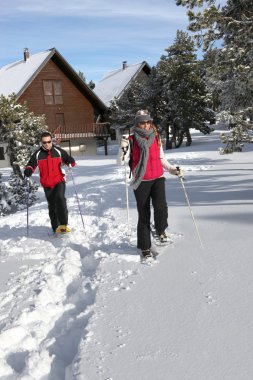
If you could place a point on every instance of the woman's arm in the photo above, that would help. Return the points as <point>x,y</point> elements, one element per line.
<point>166,165</point>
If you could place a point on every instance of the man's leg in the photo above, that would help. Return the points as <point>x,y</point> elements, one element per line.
<point>61,204</point>
<point>50,197</point>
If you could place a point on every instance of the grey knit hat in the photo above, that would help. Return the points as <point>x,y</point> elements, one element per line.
<point>139,118</point>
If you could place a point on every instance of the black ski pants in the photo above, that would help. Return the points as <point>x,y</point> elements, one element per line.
<point>154,190</point>
<point>57,204</point>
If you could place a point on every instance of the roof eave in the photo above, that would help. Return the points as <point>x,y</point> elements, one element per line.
<point>58,59</point>
<point>33,76</point>
<point>145,67</point>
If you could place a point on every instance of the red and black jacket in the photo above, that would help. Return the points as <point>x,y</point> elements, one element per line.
<point>49,163</point>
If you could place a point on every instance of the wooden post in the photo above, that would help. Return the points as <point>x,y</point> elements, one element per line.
<point>106,150</point>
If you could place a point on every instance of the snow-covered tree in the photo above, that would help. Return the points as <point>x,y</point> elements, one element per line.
<point>212,81</point>
<point>139,95</point>
<point>18,191</point>
<point>21,129</point>
<point>174,94</point>
<point>234,141</point>
<point>182,94</point>
<point>4,198</point>
<point>233,25</point>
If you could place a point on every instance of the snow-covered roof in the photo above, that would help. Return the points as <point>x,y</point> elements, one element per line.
<point>113,84</point>
<point>16,76</point>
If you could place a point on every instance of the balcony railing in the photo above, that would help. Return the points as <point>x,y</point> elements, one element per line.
<point>77,131</point>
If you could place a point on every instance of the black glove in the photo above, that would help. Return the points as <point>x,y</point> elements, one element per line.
<point>28,172</point>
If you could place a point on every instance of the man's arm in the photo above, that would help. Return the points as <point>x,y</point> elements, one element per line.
<point>66,158</point>
<point>31,165</point>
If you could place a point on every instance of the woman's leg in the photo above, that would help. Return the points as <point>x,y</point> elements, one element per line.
<point>158,197</point>
<point>142,196</point>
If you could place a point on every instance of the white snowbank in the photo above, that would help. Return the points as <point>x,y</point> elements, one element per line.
<point>83,307</point>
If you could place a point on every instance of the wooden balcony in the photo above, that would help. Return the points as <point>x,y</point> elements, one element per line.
<point>82,131</point>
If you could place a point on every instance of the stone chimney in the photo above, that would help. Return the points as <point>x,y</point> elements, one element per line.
<point>124,65</point>
<point>26,54</point>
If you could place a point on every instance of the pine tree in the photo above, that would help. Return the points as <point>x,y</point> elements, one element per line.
<point>18,192</point>
<point>213,84</point>
<point>91,84</point>
<point>4,198</point>
<point>174,94</point>
<point>233,25</point>
<point>182,94</point>
<point>81,75</point>
<point>21,130</point>
<point>138,95</point>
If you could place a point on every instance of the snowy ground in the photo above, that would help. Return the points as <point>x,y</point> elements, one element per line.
<point>83,307</point>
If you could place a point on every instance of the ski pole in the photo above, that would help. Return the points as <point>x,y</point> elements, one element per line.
<point>187,199</point>
<point>27,205</point>
<point>77,196</point>
<point>127,201</point>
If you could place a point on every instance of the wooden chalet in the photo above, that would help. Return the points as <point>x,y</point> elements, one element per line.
<point>75,115</point>
<point>115,83</point>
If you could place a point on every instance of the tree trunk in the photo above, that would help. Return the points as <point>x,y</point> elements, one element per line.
<point>188,136</point>
<point>105,145</point>
<point>168,141</point>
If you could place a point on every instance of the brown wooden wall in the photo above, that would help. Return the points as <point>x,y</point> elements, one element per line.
<point>76,108</point>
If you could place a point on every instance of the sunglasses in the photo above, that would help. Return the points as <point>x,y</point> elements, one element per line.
<point>46,142</point>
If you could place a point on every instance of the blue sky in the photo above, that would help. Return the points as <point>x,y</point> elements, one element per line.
<point>94,36</point>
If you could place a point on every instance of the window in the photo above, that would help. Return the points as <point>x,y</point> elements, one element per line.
<point>52,92</point>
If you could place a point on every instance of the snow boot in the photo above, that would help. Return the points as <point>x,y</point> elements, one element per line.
<point>163,237</point>
<point>146,253</point>
<point>62,229</point>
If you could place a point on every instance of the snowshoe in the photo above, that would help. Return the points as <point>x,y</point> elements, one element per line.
<point>163,237</point>
<point>146,253</point>
<point>160,239</point>
<point>148,256</point>
<point>62,229</point>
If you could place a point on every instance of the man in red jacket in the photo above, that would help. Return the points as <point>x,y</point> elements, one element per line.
<point>49,159</point>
